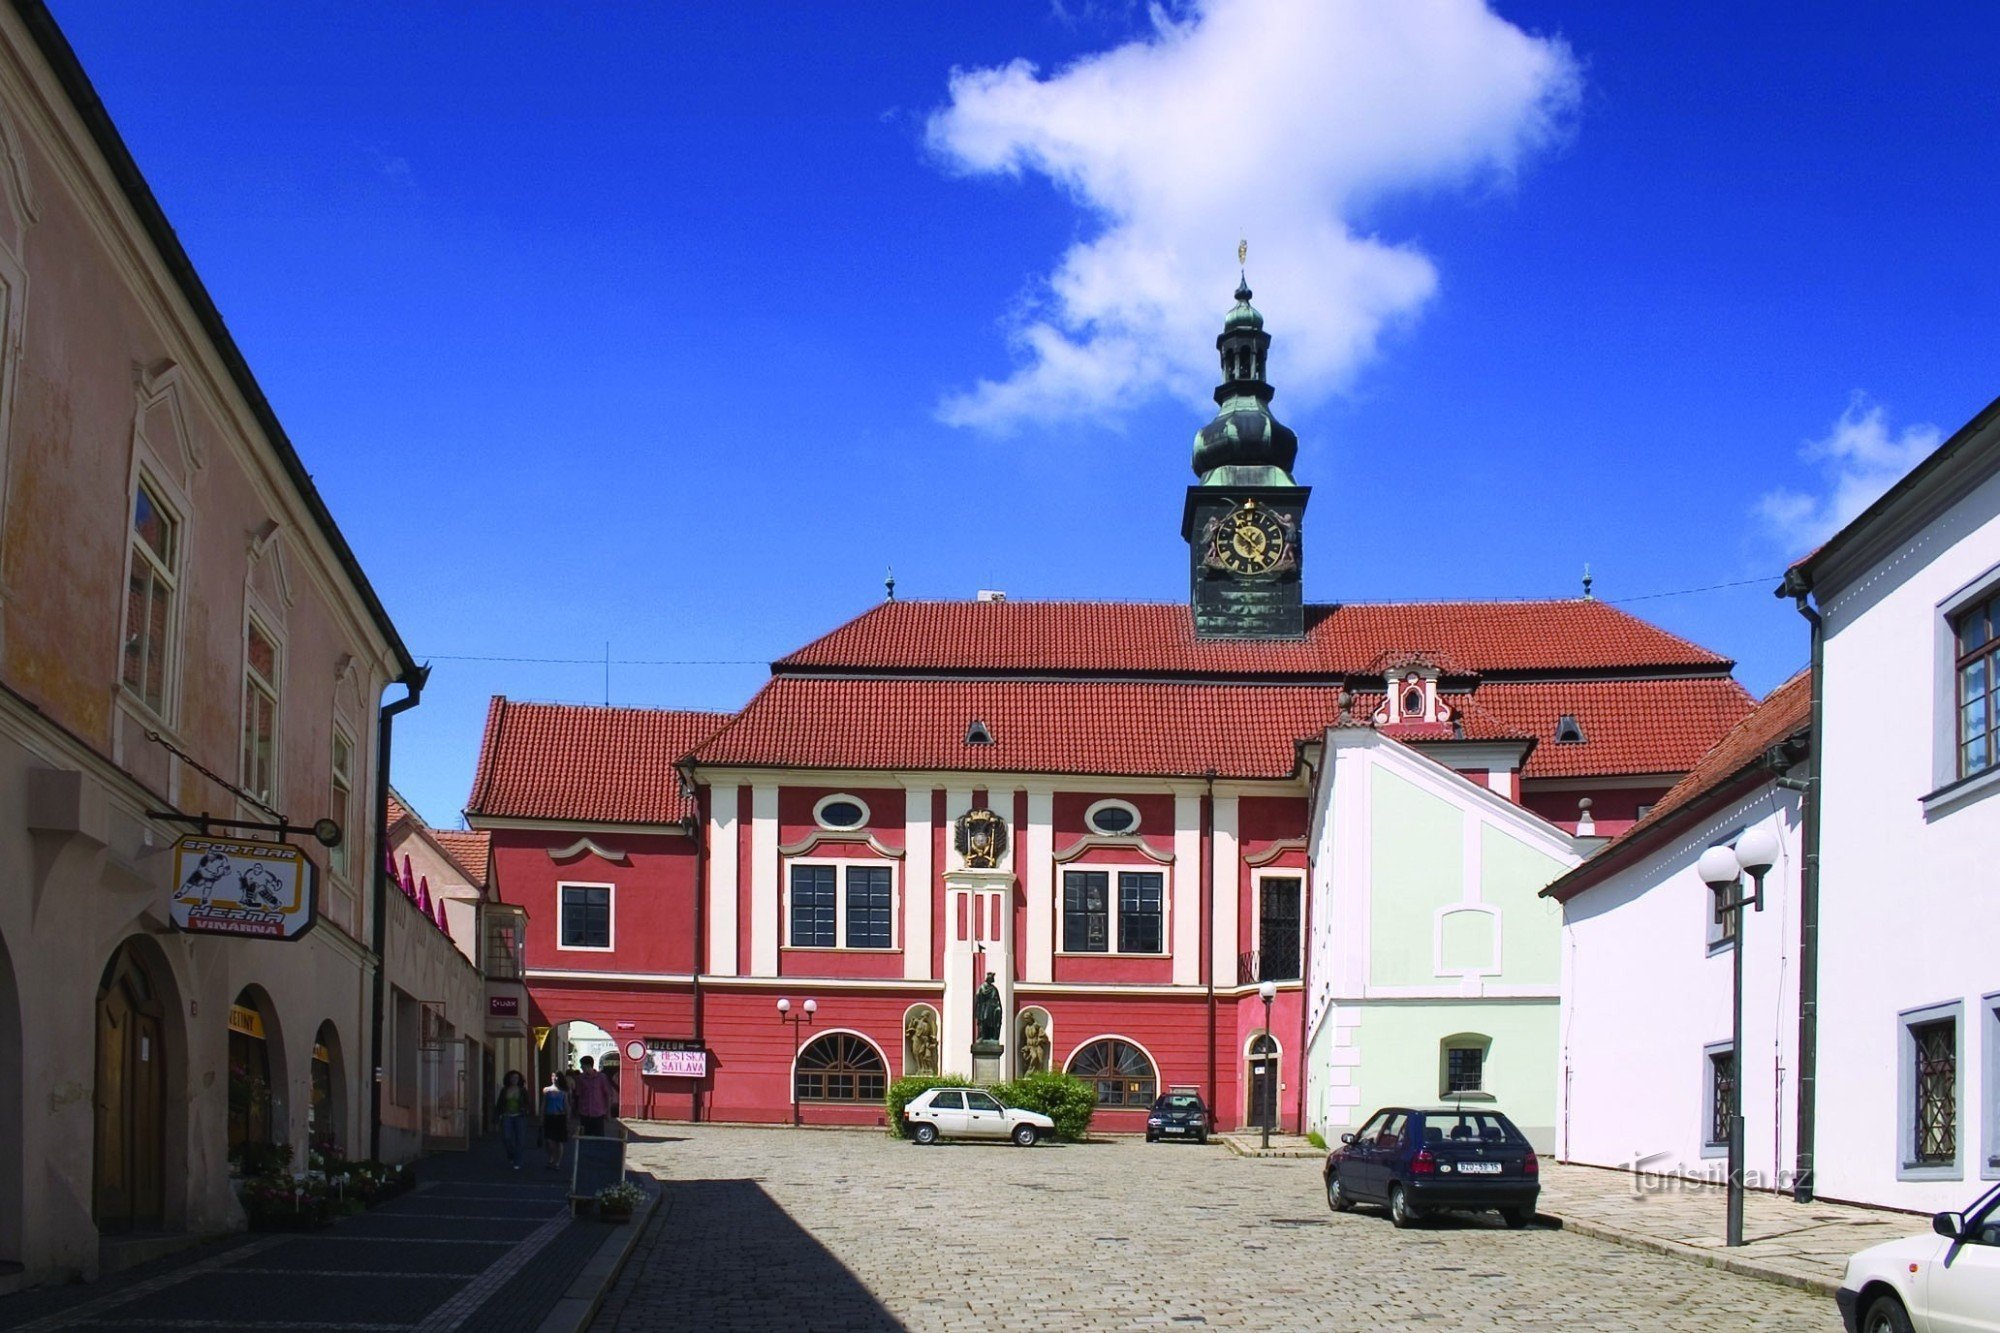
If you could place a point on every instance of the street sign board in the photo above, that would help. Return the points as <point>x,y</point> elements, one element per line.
<point>236,886</point>
<point>596,1163</point>
<point>677,1064</point>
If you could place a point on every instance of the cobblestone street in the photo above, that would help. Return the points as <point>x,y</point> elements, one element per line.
<point>846,1230</point>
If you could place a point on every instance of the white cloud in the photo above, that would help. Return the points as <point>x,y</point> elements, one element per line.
<point>1271,119</point>
<point>1860,458</point>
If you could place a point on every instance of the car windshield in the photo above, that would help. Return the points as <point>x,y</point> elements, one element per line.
<point>1464,1126</point>
<point>1180,1101</point>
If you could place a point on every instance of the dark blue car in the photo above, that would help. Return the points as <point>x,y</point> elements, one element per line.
<point>1415,1161</point>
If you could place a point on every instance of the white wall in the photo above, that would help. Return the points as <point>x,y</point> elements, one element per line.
<point>1644,997</point>
<point>1910,907</point>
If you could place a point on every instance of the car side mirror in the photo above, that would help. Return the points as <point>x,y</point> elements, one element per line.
<point>1949,1225</point>
<point>1347,1138</point>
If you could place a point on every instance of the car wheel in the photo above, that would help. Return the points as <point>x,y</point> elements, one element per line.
<point>1885,1314</point>
<point>1025,1135</point>
<point>1401,1211</point>
<point>925,1133</point>
<point>1151,1137</point>
<point>1201,1137</point>
<point>1336,1197</point>
<point>1516,1218</point>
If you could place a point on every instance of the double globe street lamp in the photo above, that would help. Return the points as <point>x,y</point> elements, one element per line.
<point>1722,869</point>
<point>797,1021</point>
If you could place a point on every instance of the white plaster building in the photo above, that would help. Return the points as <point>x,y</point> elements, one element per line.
<point>1907,734</point>
<point>1647,971</point>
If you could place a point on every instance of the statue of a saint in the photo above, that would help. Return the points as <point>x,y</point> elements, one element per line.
<point>1034,1046</point>
<point>986,1015</point>
<point>923,1038</point>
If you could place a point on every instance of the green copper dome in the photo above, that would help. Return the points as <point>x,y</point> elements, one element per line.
<point>1243,315</point>
<point>1245,444</point>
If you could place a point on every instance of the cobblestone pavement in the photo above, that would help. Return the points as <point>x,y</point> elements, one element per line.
<point>807,1229</point>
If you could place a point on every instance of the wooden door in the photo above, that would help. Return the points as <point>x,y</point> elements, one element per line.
<point>130,1188</point>
<point>1263,1106</point>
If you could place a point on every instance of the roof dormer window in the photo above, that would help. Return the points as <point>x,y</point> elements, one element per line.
<point>977,734</point>
<point>1568,732</point>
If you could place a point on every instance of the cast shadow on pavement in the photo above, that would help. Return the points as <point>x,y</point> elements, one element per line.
<point>729,1257</point>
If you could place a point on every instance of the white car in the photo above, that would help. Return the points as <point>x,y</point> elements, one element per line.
<point>970,1113</point>
<point>1947,1282</point>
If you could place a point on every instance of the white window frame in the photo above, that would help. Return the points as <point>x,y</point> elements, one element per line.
<point>1906,1092</point>
<point>1465,1041</point>
<point>269,796</point>
<point>610,914</point>
<point>841,865</point>
<point>340,874</point>
<point>819,813</point>
<point>1989,1112</point>
<point>1708,1106</point>
<point>1257,879</point>
<point>1947,787</point>
<point>1116,939</point>
<point>170,503</point>
<point>1111,803</point>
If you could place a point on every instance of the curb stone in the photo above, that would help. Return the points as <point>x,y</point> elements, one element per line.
<point>1708,1258</point>
<point>577,1306</point>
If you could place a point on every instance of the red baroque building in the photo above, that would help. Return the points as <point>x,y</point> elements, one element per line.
<point>1104,805</point>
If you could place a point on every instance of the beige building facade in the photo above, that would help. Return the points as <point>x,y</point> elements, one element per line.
<point>183,631</point>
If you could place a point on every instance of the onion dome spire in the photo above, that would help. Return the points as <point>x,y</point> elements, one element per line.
<point>1245,445</point>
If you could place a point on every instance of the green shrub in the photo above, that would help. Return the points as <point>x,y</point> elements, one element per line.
<point>1316,1139</point>
<point>912,1086</point>
<point>1067,1100</point>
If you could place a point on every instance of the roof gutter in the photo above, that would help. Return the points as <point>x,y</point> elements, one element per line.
<point>76,85</point>
<point>1798,586</point>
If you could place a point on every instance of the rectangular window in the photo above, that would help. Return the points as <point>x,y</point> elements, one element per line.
<point>815,902</point>
<point>338,855</point>
<point>503,951</point>
<point>1934,1127</point>
<point>149,600</point>
<point>586,916</point>
<point>1978,656</point>
<point>1278,928</point>
<point>1721,1088</point>
<point>1139,911</point>
<point>260,712</point>
<point>1086,911</point>
<point>1722,924</point>
<point>1465,1069</point>
<point>1990,1020</point>
<point>868,905</point>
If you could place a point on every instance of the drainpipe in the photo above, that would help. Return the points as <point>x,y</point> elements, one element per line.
<point>697,827</point>
<point>1208,925</point>
<point>1798,586</point>
<point>413,685</point>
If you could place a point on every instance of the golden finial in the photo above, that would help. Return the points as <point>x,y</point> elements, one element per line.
<point>1242,252</point>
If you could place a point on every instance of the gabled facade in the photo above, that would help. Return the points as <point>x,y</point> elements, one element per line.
<point>1103,805</point>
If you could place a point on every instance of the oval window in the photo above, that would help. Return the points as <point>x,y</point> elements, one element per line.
<point>840,812</point>
<point>1112,817</point>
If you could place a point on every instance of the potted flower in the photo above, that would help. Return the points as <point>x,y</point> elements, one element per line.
<point>278,1202</point>
<point>616,1203</point>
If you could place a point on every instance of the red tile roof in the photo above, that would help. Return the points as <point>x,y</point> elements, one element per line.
<point>1785,712</point>
<point>592,765</point>
<point>1158,639</point>
<point>469,850</point>
<point>1184,729</point>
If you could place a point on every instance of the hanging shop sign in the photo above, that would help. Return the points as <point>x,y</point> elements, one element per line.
<point>234,886</point>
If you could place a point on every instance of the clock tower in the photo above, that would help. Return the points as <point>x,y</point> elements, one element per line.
<point>1245,516</point>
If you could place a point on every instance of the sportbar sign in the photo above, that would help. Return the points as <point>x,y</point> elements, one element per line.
<point>234,886</point>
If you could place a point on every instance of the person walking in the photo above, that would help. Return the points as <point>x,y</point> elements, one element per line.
<point>593,1096</point>
<point>555,1118</point>
<point>512,1106</point>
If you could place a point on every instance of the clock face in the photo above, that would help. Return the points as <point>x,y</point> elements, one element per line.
<point>1249,540</point>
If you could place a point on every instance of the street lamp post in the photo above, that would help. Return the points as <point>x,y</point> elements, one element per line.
<point>1722,869</point>
<point>1268,992</point>
<point>797,1021</point>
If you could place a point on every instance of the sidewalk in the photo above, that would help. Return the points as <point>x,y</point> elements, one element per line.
<point>474,1245</point>
<point>1799,1245</point>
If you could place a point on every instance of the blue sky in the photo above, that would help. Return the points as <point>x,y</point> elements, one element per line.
<point>664,326</point>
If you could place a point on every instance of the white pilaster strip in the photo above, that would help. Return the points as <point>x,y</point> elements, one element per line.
<point>1227,867</point>
<point>917,885</point>
<point>1187,891</point>
<point>764,881</point>
<point>1038,877</point>
<point>722,880</point>
<point>957,800</point>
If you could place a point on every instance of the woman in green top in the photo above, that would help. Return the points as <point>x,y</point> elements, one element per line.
<point>513,1107</point>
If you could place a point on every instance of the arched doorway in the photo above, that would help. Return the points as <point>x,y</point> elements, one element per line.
<point>327,1117</point>
<point>256,1074</point>
<point>1260,1082</point>
<point>571,1042</point>
<point>128,1173</point>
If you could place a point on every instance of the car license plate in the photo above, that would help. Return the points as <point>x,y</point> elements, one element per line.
<point>1479,1168</point>
<point>1173,1129</point>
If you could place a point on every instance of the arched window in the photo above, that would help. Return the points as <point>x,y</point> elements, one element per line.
<point>841,1067</point>
<point>1122,1073</point>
